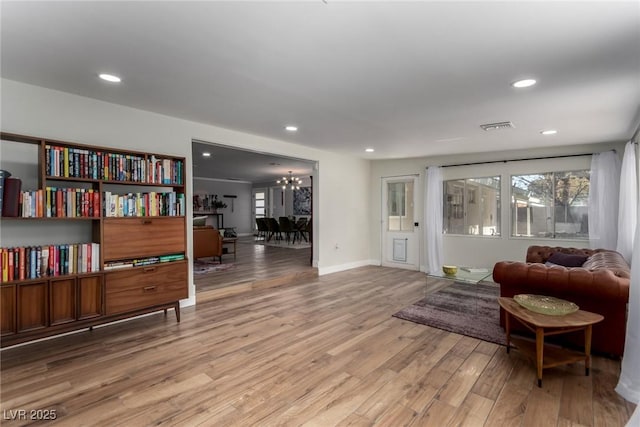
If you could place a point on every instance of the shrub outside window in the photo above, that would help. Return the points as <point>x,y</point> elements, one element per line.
<point>550,205</point>
<point>472,206</point>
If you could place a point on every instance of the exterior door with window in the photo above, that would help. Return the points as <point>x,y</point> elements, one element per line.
<point>259,205</point>
<point>400,231</point>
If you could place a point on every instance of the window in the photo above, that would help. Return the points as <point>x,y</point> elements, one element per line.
<point>551,205</point>
<point>400,206</point>
<point>259,207</point>
<point>472,206</point>
<point>260,204</point>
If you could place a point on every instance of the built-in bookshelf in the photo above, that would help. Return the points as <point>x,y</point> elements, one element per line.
<point>134,259</point>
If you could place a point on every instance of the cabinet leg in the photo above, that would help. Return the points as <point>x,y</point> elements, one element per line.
<point>177,309</point>
<point>165,312</point>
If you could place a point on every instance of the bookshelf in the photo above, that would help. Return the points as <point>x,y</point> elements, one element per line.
<point>129,210</point>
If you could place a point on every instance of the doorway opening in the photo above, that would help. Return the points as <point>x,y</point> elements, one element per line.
<point>260,223</point>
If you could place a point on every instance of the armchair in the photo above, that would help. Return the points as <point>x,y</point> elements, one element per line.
<point>207,242</point>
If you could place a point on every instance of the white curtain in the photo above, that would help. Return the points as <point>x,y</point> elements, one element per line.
<point>603,200</point>
<point>627,211</point>
<point>629,382</point>
<point>433,219</point>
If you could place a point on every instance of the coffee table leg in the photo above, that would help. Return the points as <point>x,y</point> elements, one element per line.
<point>587,349</point>
<point>507,328</point>
<point>539,353</point>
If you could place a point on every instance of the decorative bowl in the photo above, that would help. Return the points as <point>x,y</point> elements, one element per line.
<point>449,270</point>
<point>546,305</point>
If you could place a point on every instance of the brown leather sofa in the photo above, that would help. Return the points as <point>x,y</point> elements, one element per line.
<point>601,286</point>
<point>207,242</point>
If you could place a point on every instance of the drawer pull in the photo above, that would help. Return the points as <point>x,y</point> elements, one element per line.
<point>149,269</point>
<point>149,288</point>
<point>146,221</point>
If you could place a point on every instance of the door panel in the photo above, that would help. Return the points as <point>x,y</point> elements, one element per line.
<point>400,234</point>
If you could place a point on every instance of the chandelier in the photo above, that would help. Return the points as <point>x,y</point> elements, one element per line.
<point>291,181</point>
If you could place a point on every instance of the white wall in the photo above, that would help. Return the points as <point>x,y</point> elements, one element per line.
<point>475,250</point>
<point>341,215</point>
<point>239,215</point>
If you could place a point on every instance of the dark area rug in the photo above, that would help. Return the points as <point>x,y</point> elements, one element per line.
<point>465,309</point>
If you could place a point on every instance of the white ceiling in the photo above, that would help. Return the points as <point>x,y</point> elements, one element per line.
<point>247,166</point>
<point>406,78</point>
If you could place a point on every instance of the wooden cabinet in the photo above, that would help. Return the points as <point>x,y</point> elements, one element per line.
<point>90,297</point>
<point>33,306</point>
<point>7,310</point>
<point>130,205</point>
<point>144,237</point>
<point>63,297</point>
<point>145,286</point>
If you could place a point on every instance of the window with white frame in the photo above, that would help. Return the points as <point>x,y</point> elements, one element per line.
<point>400,206</point>
<point>472,206</point>
<point>550,205</point>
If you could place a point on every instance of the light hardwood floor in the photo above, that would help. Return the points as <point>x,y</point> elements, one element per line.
<point>256,265</point>
<point>323,352</point>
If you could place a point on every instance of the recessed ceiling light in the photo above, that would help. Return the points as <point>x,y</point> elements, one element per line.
<point>523,83</point>
<point>206,154</point>
<point>369,150</point>
<point>291,128</point>
<point>110,78</point>
<point>549,132</point>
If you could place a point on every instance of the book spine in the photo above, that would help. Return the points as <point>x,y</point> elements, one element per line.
<point>11,198</point>
<point>10,263</point>
<point>21,261</point>
<point>4,254</point>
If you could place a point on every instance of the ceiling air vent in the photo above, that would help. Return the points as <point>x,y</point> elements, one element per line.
<point>497,126</point>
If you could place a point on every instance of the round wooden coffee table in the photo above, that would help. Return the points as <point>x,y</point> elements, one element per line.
<point>544,325</point>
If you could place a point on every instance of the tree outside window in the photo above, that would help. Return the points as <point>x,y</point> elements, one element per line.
<point>550,205</point>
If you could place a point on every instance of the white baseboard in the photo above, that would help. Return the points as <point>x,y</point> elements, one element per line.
<point>188,302</point>
<point>343,267</point>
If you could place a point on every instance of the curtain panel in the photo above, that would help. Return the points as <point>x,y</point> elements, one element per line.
<point>603,200</point>
<point>628,207</point>
<point>433,219</point>
<point>629,382</point>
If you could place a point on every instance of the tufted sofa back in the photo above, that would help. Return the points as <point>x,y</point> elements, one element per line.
<point>609,260</point>
<point>542,253</point>
<point>598,258</point>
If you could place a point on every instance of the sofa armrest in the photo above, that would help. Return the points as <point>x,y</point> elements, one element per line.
<point>520,277</point>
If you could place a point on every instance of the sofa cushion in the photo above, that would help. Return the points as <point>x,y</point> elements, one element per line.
<point>567,260</point>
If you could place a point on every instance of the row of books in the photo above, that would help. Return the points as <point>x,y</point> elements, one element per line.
<point>68,162</point>
<point>144,204</point>
<point>79,202</point>
<point>142,261</point>
<point>55,202</point>
<point>33,262</point>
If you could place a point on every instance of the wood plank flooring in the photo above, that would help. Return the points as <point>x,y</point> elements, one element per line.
<point>325,352</point>
<point>256,264</point>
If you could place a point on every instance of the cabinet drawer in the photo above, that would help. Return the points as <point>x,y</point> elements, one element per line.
<point>127,238</point>
<point>142,287</point>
